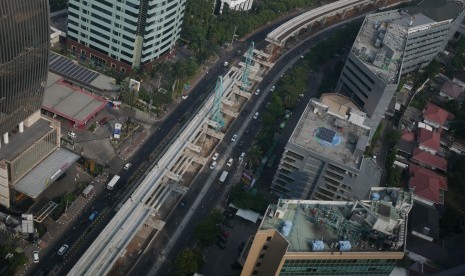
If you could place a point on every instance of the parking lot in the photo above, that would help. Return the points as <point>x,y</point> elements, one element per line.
<point>222,261</point>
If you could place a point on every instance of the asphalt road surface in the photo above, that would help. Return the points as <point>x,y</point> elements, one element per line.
<point>211,199</point>
<point>82,233</point>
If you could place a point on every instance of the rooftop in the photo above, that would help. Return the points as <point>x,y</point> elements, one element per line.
<point>331,135</point>
<point>430,159</point>
<point>427,184</point>
<point>72,71</point>
<point>70,102</point>
<point>438,10</point>
<point>435,114</point>
<point>381,41</point>
<point>361,226</point>
<point>452,89</point>
<point>429,139</point>
<point>407,141</point>
<point>19,142</point>
<point>47,171</point>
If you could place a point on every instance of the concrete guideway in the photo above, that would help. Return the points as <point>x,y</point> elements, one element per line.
<point>280,35</point>
<point>154,189</point>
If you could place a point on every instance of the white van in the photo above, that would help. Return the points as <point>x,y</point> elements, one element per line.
<point>63,249</point>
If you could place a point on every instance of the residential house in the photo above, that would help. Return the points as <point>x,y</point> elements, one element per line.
<point>406,143</point>
<point>436,117</point>
<point>428,187</point>
<point>429,141</point>
<point>459,78</point>
<point>429,161</point>
<point>451,91</point>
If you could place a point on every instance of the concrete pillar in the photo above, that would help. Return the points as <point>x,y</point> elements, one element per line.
<point>5,138</point>
<point>21,127</point>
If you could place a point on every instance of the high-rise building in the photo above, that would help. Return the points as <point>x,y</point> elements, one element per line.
<point>124,34</point>
<point>309,237</point>
<point>27,137</point>
<point>324,157</point>
<point>24,47</point>
<point>392,43</point>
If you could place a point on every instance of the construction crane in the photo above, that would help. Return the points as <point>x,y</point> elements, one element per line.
<point>217,116</point>
<point>245,83</point>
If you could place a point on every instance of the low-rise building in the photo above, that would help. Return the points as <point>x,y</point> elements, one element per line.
<point>451,91</point>
<point>428,187</point>
<point>429,161</point>
<point>436,117</point>
<point>429,141</point>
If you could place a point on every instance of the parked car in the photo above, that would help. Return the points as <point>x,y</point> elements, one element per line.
<point>127,166</point>
<point>63,249</point>
<point>93,215</point>
<point>213,165</point>
<point>220,245</point>
<point>72,135</point>
<point>224,233</point>
<point>257,92</point>
<point>234,138</point>
<point>35,256</point>
<point>215,156</point>
<point>273,88</point>
<point>222,238</point>
<point>255,116</point>
<point>230,162</point>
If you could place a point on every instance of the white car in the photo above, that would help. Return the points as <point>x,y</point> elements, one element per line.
<point>72,135</point>
<point>234,138</point>
<point>62,249</point>
<point>255,116</point>
<point>35,256</point>
<point>230,162</point>
<point>127,166</point>
<point>272,88</point>
<point>215,156</point>
<point>213,165</point>
<point>257,92</point>
<point>184,96</point>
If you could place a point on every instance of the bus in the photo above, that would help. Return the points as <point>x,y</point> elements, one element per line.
<point>223,177</point>
<point>112,182</point>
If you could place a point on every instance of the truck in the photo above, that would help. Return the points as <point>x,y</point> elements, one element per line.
<point>113,182</point>
<point>223,177</point>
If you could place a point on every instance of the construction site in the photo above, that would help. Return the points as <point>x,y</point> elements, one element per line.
<point>144,214</point>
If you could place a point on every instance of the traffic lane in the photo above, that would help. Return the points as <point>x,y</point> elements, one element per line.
<point>189,102</point>
<point>187,105</point>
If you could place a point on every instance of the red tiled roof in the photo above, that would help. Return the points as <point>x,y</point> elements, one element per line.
<point>436,114</point>
<point>428,158</point>
<point>452,89</point>
<point>426,184</point>
<point>407,136</point>
<point>429,139</point>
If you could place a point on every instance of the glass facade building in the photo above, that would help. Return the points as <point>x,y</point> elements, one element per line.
<point>370,267</point>
<point>132,32</point>
<point>24,48</point>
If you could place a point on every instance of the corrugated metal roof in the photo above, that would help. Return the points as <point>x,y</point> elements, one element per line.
<point>37,180</point>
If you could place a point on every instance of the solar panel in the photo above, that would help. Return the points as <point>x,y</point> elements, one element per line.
<point>325,134</point>
<point>66,67</point>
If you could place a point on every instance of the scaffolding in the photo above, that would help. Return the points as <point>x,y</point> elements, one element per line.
<point>217,116</point>
<point>245,82</point>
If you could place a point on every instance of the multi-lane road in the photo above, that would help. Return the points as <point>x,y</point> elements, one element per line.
<point>79,235</point>
<point>212,197</point>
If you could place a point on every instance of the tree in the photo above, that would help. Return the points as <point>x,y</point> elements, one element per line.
<point>207,229</point>
<point>188,261</point>
<point>254,157</point>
